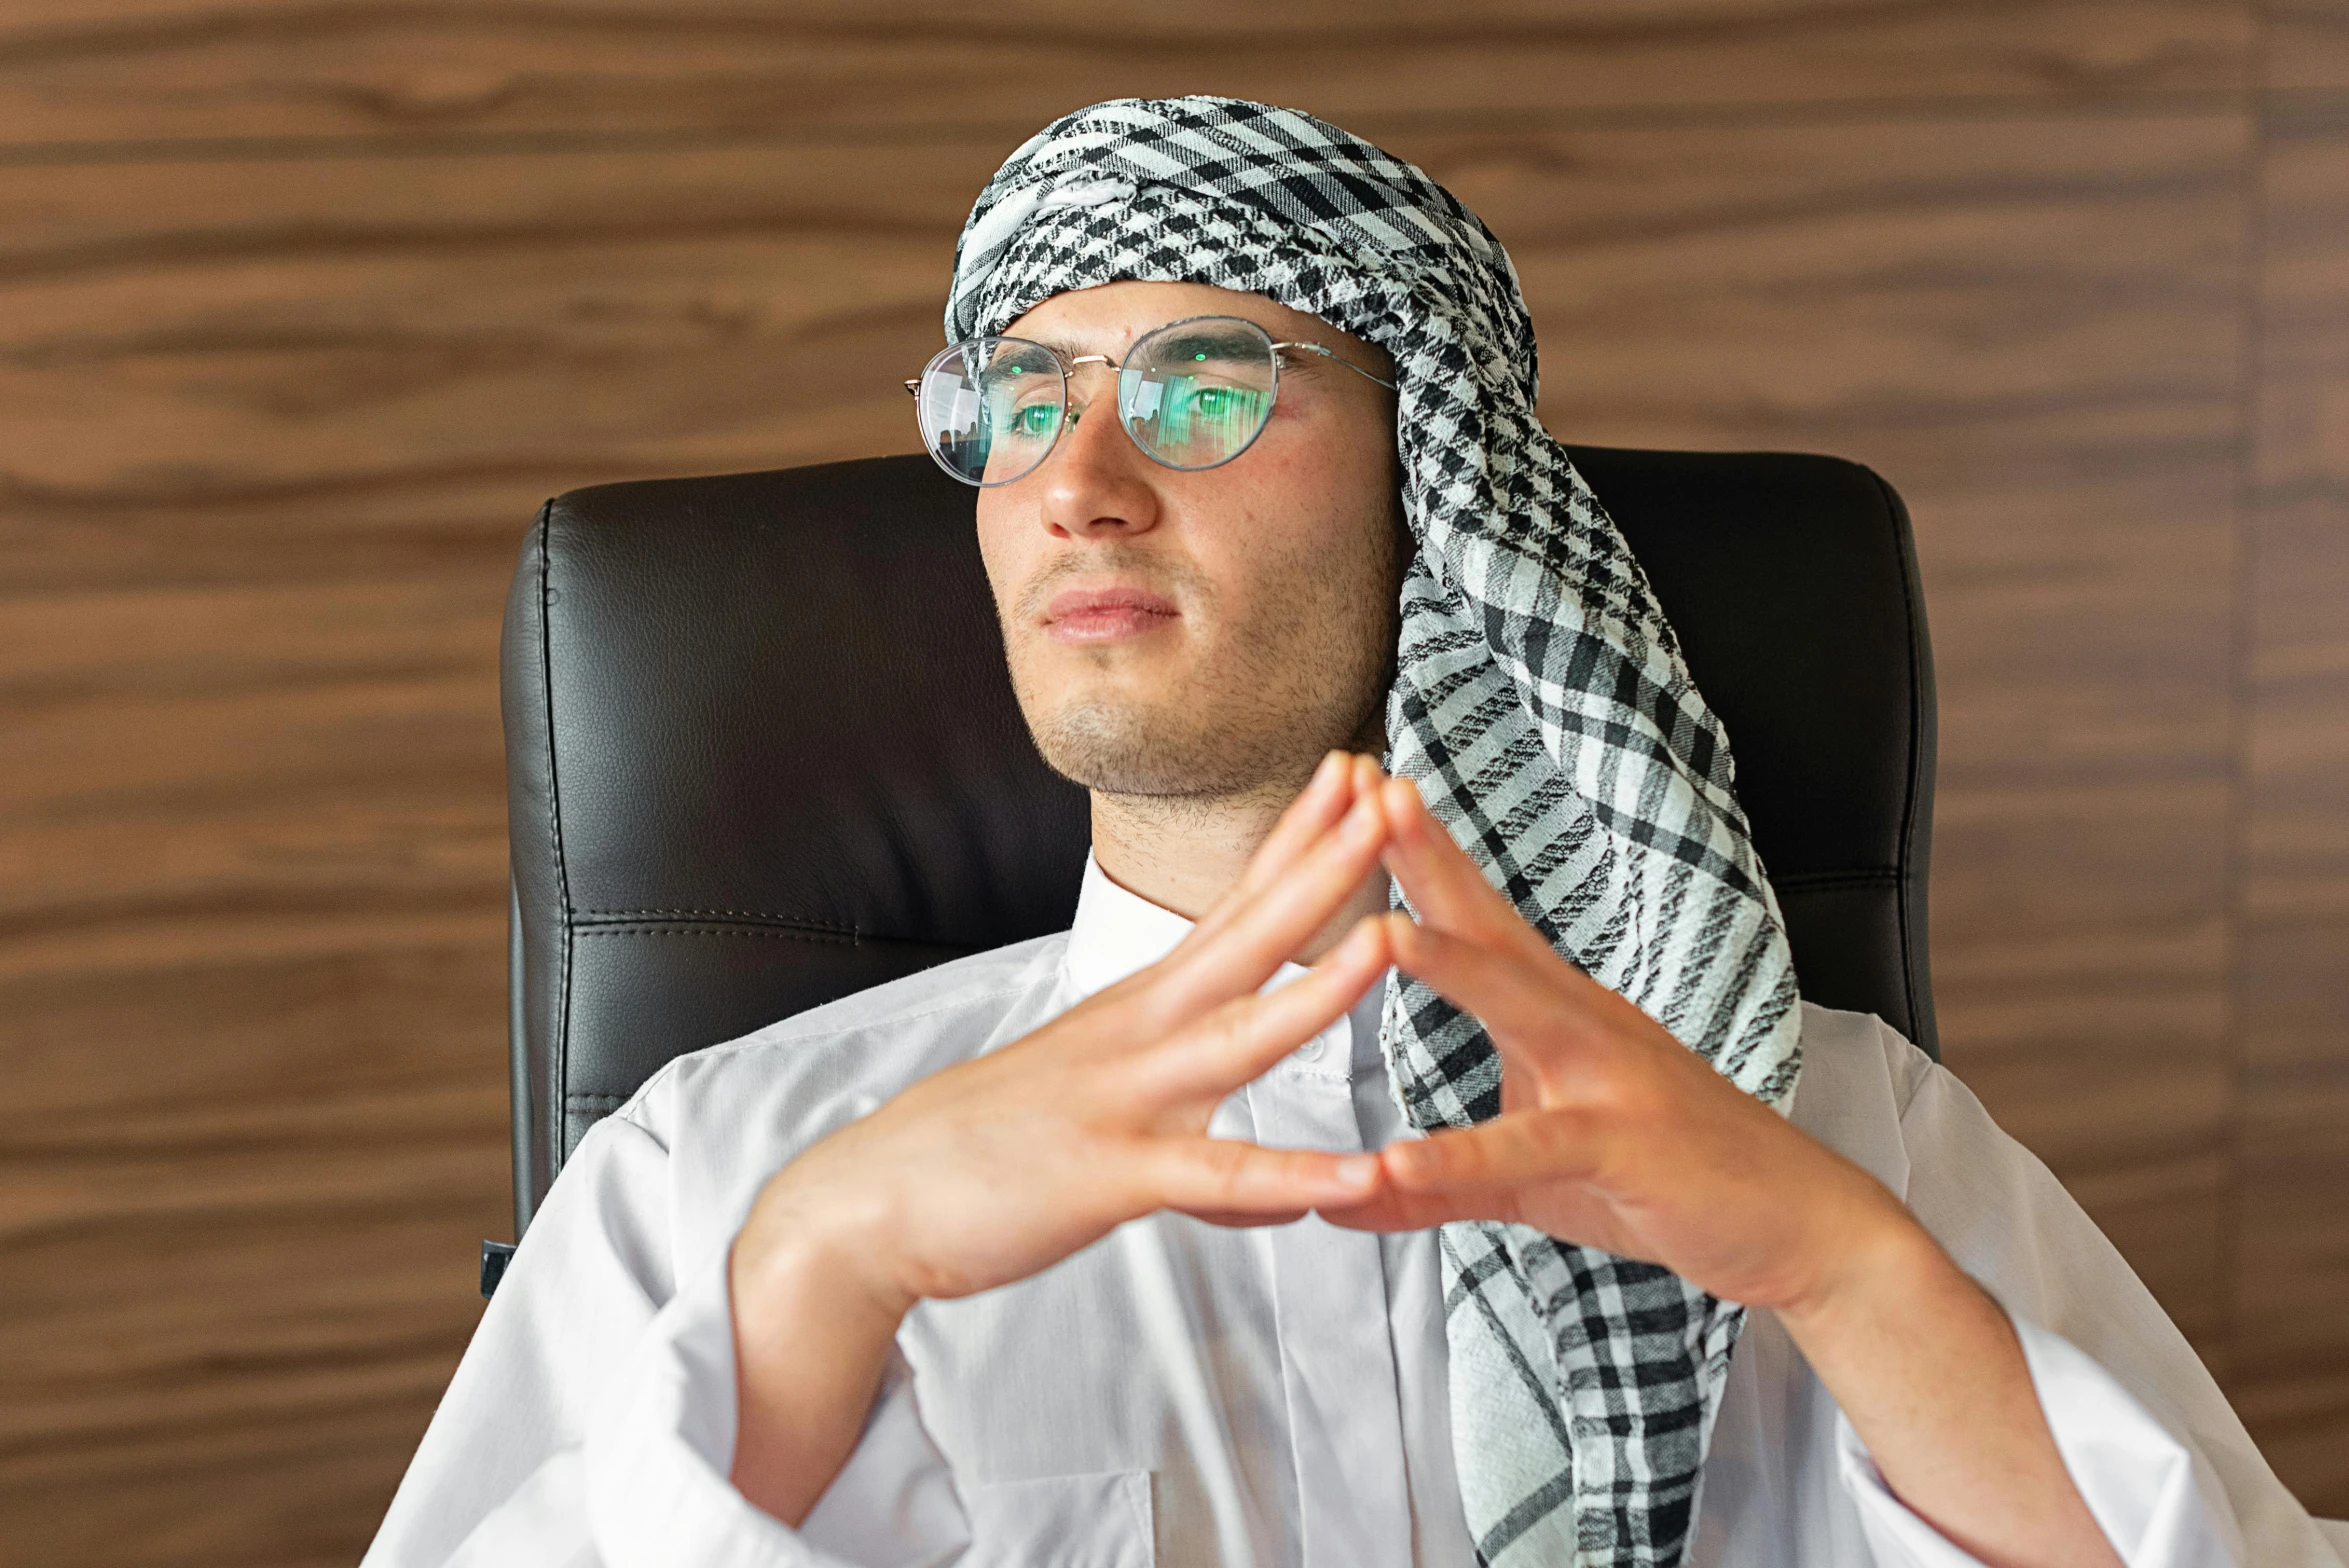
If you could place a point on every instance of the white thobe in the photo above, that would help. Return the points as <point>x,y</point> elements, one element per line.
<point>1185,1394</point>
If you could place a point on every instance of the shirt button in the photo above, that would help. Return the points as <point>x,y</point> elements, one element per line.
<point>1310,1051</point>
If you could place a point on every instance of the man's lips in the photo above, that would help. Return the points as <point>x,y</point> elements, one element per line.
<point>1106,614</point>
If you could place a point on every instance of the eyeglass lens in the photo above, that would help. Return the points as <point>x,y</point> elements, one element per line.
<point>991,408</point>
<point>1192,394</point>
<point>1196,394</point>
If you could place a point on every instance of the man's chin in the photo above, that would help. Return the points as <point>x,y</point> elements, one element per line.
<point>1146,750</point>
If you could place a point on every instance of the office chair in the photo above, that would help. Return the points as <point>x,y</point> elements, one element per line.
<point>762,751</point>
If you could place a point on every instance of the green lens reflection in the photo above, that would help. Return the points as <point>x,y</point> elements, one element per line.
<point>1195,393</point>
<point>1198,416</point>
<point>1020,397</point>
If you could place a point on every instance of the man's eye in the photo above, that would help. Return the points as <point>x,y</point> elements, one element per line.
<point>1033,421</point>
<point>1217,405</point>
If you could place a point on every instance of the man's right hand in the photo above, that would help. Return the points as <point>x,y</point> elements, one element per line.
<point>998,1168</point>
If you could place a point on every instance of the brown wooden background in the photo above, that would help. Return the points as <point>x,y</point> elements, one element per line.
<point>305,305</point>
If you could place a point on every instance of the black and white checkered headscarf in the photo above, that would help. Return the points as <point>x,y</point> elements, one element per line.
<point>1545,713</point>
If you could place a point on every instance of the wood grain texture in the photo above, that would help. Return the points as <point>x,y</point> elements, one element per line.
<point>374,324</point>
<point>2305,49</point>
<point>304,308</point>
<point>250,962</point>
<point>229,1274</point>
<point>83,71</point>
<point>2292,1378</point>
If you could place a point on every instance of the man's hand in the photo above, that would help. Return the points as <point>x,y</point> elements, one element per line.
<point>1611,1133</point>
<point>1614,1135</point>
<point>997,1168</point>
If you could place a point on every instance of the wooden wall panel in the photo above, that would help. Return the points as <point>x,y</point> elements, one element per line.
<point>74,71</point>
<point>2292,1375</point>
<point>2304,48</point>
<point>303,310</point>
<point>250,967</point>
<point>231,1297</point>
<point>510,318</point>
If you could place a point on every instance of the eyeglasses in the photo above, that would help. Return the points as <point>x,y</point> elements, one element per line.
<point>1193,394</point>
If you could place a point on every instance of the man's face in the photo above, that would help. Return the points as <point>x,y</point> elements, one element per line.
<point>1204,633</point>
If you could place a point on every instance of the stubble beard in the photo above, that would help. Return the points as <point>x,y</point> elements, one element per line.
<point>1171,752</point>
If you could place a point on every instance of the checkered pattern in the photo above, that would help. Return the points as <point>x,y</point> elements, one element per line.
<point>1542,707</point>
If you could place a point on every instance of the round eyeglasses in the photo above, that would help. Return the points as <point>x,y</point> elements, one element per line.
<point>1193,394</point>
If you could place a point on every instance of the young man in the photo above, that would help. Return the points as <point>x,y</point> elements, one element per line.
<point>1250,1222</point>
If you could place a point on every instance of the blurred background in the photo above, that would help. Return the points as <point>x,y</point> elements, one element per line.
<point>305,306</point>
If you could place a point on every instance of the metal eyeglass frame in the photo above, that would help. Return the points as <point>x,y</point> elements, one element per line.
<point>1067,367</point>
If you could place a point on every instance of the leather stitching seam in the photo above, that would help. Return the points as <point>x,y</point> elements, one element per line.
<point>781,933</point>
<point>753,916</point>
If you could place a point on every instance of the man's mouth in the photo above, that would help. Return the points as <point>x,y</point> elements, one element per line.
<point>1097,615</point>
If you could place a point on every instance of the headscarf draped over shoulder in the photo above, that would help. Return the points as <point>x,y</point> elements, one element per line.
<point>1543,709</point>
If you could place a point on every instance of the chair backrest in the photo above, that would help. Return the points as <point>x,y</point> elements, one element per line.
<point>762,750</point>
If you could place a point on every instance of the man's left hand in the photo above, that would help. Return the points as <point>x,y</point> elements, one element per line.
<point>1611,1132</point>
<point>1615,1135</point>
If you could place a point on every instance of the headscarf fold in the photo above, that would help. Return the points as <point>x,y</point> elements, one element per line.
<point>1543,709</point>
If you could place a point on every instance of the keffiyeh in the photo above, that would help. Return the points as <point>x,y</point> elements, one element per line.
<point>1543,709</point>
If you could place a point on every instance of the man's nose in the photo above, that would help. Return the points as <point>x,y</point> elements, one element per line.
<point>1096,483</point>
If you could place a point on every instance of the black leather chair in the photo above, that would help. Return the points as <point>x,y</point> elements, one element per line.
<point>762,750</point>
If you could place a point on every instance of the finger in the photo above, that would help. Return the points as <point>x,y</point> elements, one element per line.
<point>1499,1156</point>
<point>1240,1040</point>
<point>1394,1210</point>
<point>1232,1220</point>
<point>1265,931</point>
<point>1518,996</point>
<point>1319,881</point>
<point>1442,882</point>
<point>1314,812</point>
<point>1226,1176</point>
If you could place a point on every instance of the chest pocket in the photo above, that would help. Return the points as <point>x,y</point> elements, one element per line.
<point>1062,1521</point>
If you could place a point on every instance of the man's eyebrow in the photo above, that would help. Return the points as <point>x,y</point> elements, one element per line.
<point>1064,348</point>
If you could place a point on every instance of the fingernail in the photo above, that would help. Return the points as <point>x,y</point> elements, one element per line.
<point>1330,765</point>
<point>1357,1170</point>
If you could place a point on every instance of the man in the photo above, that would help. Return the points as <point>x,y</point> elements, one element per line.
<point>1190,1236</point>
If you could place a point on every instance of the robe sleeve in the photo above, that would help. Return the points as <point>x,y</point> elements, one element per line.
<point>591,1422</point>
<point>2150,1441</point>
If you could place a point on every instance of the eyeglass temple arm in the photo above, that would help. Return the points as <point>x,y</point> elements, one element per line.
<point>1333,354</point>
